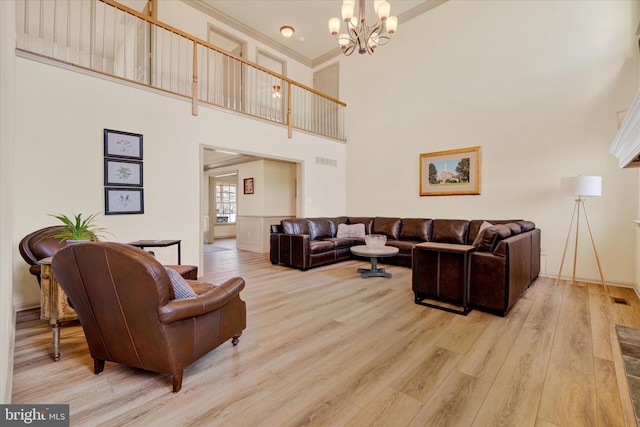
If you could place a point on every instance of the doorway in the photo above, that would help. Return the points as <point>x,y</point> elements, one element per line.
<point>277,195</point>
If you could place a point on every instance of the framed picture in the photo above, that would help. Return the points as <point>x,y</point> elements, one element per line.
<point>248,186</point>
<point>120,201</point>
<point>122,144</point>
<point>122,173</point>
<point>451,172</point>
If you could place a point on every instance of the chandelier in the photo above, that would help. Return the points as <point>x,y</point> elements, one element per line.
<point>358,35</point>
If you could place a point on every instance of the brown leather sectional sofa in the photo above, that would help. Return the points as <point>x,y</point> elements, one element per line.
<point>506,261</point>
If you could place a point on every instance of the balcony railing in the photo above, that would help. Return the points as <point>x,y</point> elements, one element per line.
<point>112,39</point>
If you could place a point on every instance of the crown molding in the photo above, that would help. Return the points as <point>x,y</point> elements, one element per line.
<point>419,10</point>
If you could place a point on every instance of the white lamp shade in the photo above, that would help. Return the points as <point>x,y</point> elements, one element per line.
<point>392,24</point>
<point>377,3</point>
<point>582,185</point>
<point>347,11</point>
<point>334,26</point>
<point>383,10</point>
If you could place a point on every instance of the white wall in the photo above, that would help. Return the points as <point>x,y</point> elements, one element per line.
<point>7,98</point>
<point>59,118</point>
<point>251,204</point>
<point>280,189</point>
<point>536,84</point>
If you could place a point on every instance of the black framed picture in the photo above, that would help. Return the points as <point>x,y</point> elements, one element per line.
<point>122,173</point>
<point>121,201</point>
<point>122,144</point>
<point>248,186</point>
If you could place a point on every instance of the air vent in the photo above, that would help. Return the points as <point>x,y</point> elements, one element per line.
<point>622,301</point>
<point>326,162</point>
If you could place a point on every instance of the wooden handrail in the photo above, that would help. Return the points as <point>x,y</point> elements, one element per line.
<point>217,49</point>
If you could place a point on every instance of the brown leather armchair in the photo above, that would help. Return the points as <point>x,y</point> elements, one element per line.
<point>39,245</point>
<point>128,311</point>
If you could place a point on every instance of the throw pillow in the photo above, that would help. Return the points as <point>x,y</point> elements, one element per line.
<point>180,286</point>
<point>483,227</point>
<point>350,230</point>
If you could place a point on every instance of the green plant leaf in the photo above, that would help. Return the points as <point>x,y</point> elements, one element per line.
<point>79,228</point>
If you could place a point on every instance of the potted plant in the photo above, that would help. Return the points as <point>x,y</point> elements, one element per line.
<point>79,229</point>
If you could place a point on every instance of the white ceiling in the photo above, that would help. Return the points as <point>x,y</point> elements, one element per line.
<point>311,40</point>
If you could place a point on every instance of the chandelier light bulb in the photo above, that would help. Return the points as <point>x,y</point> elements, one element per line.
<point>383,10</point>
<point>392,24</point>
<point>276,92</point>
<point>334,26</point>
<point>347,12</point>
<point>343,40</point>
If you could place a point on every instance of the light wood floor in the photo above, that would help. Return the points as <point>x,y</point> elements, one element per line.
<point>327,348</point>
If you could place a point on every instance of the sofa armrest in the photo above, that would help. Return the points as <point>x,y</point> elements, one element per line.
<point>205,302</point>
<point>498,279</point>
<point>291,249</point>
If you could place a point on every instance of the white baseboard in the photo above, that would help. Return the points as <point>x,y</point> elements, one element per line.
<point>27,305</point>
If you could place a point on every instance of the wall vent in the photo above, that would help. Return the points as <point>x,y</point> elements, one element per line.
<point>326,162</point>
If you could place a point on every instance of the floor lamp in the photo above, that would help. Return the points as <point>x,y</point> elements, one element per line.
<point>581,186</point>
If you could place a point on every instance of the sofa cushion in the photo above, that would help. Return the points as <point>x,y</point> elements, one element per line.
<point>320,228</point>
<point>181,288</point>
<point>492,235</point>
<point>450,231</point>
<point>341,242</point>
<point>320,246</point>
<point>351,230</point>
<point>390,227</point>
<point>515,228</point>
<point>295,225</point>
<point>483,226</point>
<point>526,225</point>
<point>416,229</point>
<point>367,221</point>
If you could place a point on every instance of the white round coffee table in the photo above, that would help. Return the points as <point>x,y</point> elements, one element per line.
<point>374,253</point>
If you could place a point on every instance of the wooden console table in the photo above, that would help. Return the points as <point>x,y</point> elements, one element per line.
<point>157,244</point>
<point>429,281</point>
<point>53,304</point>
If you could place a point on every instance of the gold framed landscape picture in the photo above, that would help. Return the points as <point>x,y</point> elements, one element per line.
<point>450,172</point>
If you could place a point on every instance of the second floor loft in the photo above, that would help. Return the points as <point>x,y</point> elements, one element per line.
<point>107,37</point>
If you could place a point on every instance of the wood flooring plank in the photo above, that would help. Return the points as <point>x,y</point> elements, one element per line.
<point>390,408</point>
<point>455,403</point>
<point>464,331</point>
<point>424,377</point>
<point>572,346</point>
<point>601,309</point>
<point>608,401</point>
<point>569,397</point>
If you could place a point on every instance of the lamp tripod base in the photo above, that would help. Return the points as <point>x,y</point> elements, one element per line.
<point>576,216</point>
